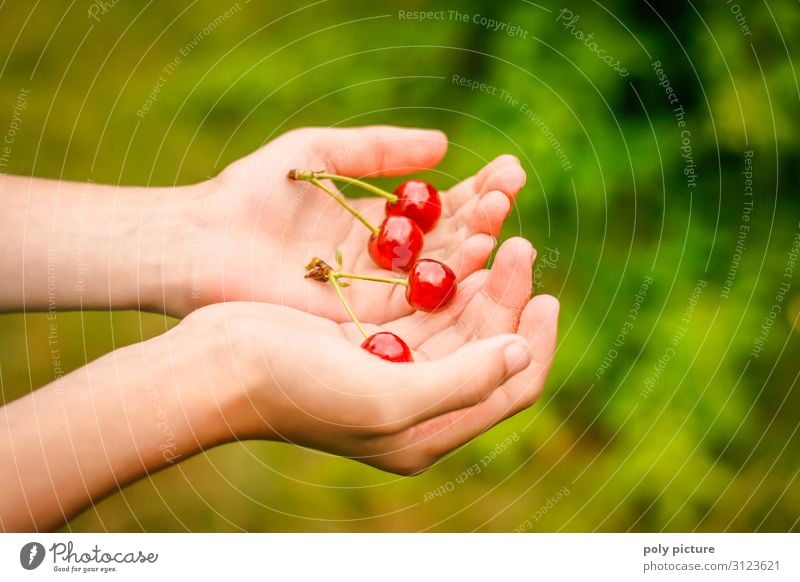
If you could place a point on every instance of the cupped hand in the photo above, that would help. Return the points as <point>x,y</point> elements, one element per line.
<point>256,230</point>
<point>304,379</point>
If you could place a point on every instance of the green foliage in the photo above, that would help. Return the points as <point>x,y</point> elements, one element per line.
<point>711,447</point>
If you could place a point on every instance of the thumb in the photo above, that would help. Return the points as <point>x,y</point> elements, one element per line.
<point>462,378</point>
<point>380,150</point>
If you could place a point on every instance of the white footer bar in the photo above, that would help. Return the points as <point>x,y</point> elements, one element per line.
<point>389,557</point>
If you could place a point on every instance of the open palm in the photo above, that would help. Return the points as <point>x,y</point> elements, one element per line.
<point>312,385</point>
<point>261,229</point>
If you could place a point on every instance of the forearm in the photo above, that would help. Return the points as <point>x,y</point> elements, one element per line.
<point>68,245</point>
<point>126,415</point>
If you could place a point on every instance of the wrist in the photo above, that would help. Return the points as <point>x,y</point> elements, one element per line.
<point>125,247</point>
<point>174,223</point>
<point>219,375</point>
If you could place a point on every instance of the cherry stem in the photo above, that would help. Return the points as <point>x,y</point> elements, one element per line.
<point>373,229</point>
<point>354,181</point>
<point>335,282</point>
<point>391,280</point>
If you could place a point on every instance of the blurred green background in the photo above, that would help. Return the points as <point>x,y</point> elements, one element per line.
<point>682,428</point>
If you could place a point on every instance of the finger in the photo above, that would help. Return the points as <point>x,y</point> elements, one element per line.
<point>509,283</point>
<point>476,204</point>
<point>539,324</point>
<point>489,213</point>
<point>504,174</point>
<point>455,198</point>
<point>461,379</point>
<point>487,303</point>
<point>471,255</point>
<point>380,150</point>
<point>440,435</point>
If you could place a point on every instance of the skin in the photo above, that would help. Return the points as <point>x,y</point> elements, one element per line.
<point>285,368</point>
<point>244,235</point>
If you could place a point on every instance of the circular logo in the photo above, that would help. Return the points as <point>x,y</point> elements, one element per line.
<point>31,555</point>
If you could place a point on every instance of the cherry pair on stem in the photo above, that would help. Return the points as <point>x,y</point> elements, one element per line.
<point>411,211</point>
<point>431,285</point>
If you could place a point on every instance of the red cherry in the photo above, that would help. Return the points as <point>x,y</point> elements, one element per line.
<point>419,201</point>
<point>398,243</point>
<point>431,285</point>
<point>388,346</point>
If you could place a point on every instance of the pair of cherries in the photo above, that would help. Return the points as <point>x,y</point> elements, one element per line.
<point>431,285</point>
<point>411,211</point>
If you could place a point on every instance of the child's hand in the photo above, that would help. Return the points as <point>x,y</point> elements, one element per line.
<point>255,230</point>
<point>304,379</point>
<point>254,370</point>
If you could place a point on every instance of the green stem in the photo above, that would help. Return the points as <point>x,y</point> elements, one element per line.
<point>355,182</point>
<point>373,229</point>
<point>334,281</point>
<point>339,275</point>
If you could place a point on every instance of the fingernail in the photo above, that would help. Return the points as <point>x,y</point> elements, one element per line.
<point>517,357</point>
